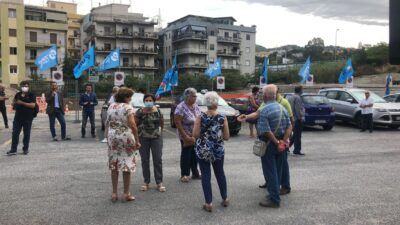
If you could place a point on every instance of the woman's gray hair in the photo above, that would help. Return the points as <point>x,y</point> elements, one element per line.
<point>188,92</point>
<point>211,99</point>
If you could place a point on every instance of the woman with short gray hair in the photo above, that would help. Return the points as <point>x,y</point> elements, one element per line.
<point>211,129</point>
<point>184,117</point>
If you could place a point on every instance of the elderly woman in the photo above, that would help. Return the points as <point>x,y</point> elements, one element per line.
<point>123,141</point>
<point>185,115</point>
<point>211,129</point>
<point>151,123</point>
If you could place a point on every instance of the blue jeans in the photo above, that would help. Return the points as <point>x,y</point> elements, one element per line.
<point>218,167</point>
<point>285,178</point>
<point>18,125</point>
<point>85,115</point>
<point>188,161</point>
<point>272,170</point>
<point>60,117</point>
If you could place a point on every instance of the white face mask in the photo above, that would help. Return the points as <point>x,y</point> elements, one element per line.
<point>25,89</point>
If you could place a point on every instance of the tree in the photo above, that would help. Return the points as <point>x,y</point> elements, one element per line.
<point>68,68</point>
<point>378,55</point>
<point>314,49</point>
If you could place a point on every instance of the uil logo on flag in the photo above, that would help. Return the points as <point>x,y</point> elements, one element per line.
<point>114,56</point>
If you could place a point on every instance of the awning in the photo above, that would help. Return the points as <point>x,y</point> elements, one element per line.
<point>198,28</point>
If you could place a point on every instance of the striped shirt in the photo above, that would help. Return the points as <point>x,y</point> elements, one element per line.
<point>269,119</point>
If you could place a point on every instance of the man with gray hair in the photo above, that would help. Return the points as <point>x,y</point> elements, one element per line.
<point>273,126</point>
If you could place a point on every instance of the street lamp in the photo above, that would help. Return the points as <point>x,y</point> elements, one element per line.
<point>336,43</point>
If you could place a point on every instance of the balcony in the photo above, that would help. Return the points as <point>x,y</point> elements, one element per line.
<point>144,67</point>
<point>192,66</point>
<point>124,35</point>
<point>103,34</point>
<point>102,50</point>
<point>189,36</point>
<point>229,40</point>
<point>192,51</point>
<point>230,67</point>
<point>39,44</point>
<point>145,35</point>
<point>223,53</point>
<point>74,47</point>
<point>29,60</point>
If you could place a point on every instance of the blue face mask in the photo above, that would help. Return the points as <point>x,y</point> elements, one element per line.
<point>148,104</point>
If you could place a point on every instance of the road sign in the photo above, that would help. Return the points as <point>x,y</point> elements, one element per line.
<point>119,78</point>
<point>94,79</point>
<point>221,83</point>
<point>310,80</point>
<point>57,76</point>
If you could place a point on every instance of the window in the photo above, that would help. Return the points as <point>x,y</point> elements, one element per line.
<point>33,71</point>
<point>13,69</point>
<point>33,54</point>
<point>212,47</point>
<point>235,35</point>
<point>125,61</point>
<point>107,46</point>
<point>32,36</point>
<point>248,37</point>
<point>53,38</point>
<point>141,31</point>
<point>12,13</point>
<point>332,94</point>
<point>226,34</point>
<point>141,61</point>
<point>247,63</point>
<point>107,30</point>
<point>247,50</point>
<point>125,30</point>
<point>344,96</point>
<point>212,33</point>
<point>12,32</point>
<point>13,51</point>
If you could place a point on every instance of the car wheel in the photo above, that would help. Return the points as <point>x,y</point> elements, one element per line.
<point>327,127</point>
<point>172,121</point>
<point>394,126</point>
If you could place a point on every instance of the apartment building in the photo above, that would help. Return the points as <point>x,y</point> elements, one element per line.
<point>27,31</point>
<point>112,26</point>
<point>199,40</point>
<point>74,47</point>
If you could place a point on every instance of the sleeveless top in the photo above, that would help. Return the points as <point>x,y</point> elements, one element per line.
<point>149,124</point>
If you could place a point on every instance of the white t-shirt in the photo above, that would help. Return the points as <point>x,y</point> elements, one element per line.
<point>367,110</point>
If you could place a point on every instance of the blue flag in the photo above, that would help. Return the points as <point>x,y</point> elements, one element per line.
<point>174,79</point>
<point>111,61</point>
<point>264,72</point>
<point>214,69</point>
<point>304,72</point>
<point>47,59</point>
<point>347,72</point>
<point>165,85</point>
<point>388,83</point>
<point>86,62</point>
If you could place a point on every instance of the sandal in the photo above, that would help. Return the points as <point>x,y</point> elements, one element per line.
<point>129,197</point>
<point>185,179</point>
<point>114,197</point>
<point>207,208</point>
<point>144,187</point>
<point>225,203</point>
<point>161,188</point>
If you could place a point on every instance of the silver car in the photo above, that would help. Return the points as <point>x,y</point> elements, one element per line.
<point>392,97</point>
<point>346,102</point>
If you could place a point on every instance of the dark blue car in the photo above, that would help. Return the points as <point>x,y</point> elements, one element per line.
<point>317,111</point>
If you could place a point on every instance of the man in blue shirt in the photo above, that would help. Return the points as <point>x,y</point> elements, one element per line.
<point>274,126</point>
<point>55,110</point>
<point>88,101</point>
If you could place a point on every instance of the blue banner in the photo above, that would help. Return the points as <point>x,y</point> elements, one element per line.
<point>347,72</point>
<point>388,83</point>
<point>264,72</point>
<point>304,72</point>
<point>86,62</point>
<point>47,59</point>
<point>214,69</point>
<point>111,61</point>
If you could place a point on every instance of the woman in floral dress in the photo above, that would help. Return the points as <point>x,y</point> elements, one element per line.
<point>123,141</point>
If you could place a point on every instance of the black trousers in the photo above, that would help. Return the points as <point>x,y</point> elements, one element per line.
<point>188,161</point>
<point>19,125</point>
<point>85,116</point>
<point>296,138</point>
<point>4,113</point>
<point>367,122</point>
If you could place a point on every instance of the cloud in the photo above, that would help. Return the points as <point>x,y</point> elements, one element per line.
<point>368,12</point>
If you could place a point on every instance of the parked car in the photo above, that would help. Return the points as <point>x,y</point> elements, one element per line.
<point>317,110</point>
<point>392,97</point>
<point>346,103</point>
<point>223,108</point>
<point>240,104</point>
<point>136,102</point>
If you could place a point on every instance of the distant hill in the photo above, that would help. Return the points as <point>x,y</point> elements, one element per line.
<point>260,48</point>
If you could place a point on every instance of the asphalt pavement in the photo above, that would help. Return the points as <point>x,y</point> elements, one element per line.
<point>346,177</point>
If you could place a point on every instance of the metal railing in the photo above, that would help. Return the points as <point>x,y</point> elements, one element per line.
<point>189,35</point>
<point>187,65</point>
<point>229,39</point>
<point>192,50</point>
<point>228,53</point>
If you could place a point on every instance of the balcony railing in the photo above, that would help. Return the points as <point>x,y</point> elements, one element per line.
<point>192,51</point>
<point>230,67</point>
<point>145,35</point>
<point>187,65</point>
<point>38,44</point>
<point>228,39</point>
<point>138,66</point>
<point>189,36</point>
<point>228,53</point>
<point>100,33</point>
<point>30,60</point>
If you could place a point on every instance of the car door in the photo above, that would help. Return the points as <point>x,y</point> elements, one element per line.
<point>348,104</point>
<point>331,95</point>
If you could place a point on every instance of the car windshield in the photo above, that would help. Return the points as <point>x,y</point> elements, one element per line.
<point>315,99</point>
<point>137,100</point>
<point>201,102</point>
<point>360,95</point>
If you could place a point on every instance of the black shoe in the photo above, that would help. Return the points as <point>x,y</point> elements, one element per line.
<point>362,130</point>
<point>55,139</point>
<point>299,153</point>
<point>93,136</point>
<point>198,177</point>
<point>83,136</point>
<point>10,153</point>
<point>284,191</point>
<point>26,152</point>
<point>66,139</point>
<point>269,204</point>
<point>263,185</point>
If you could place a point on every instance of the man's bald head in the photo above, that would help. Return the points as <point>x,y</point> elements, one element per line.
<point>269,92</point>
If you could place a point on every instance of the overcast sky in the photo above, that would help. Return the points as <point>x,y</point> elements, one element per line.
<point>279,22</point>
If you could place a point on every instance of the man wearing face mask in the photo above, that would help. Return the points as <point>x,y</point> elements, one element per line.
<point>24,105</point>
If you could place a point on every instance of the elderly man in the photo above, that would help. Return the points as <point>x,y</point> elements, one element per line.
<point>367,113</point>
<point>274,126</point>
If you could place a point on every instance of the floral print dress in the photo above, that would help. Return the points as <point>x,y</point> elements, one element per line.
<point>121,142</point>
<point>210,145</point>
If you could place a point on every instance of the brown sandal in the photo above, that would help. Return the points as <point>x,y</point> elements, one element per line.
<point>114,197</point>
<point>207,208</point>
<point>225,203</point>
<point>145,187</point>
<point>129,197</point>
<point>185,179</point>
<point>161,188</point>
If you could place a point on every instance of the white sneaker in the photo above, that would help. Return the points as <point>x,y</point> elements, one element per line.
<point>104,140</point>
